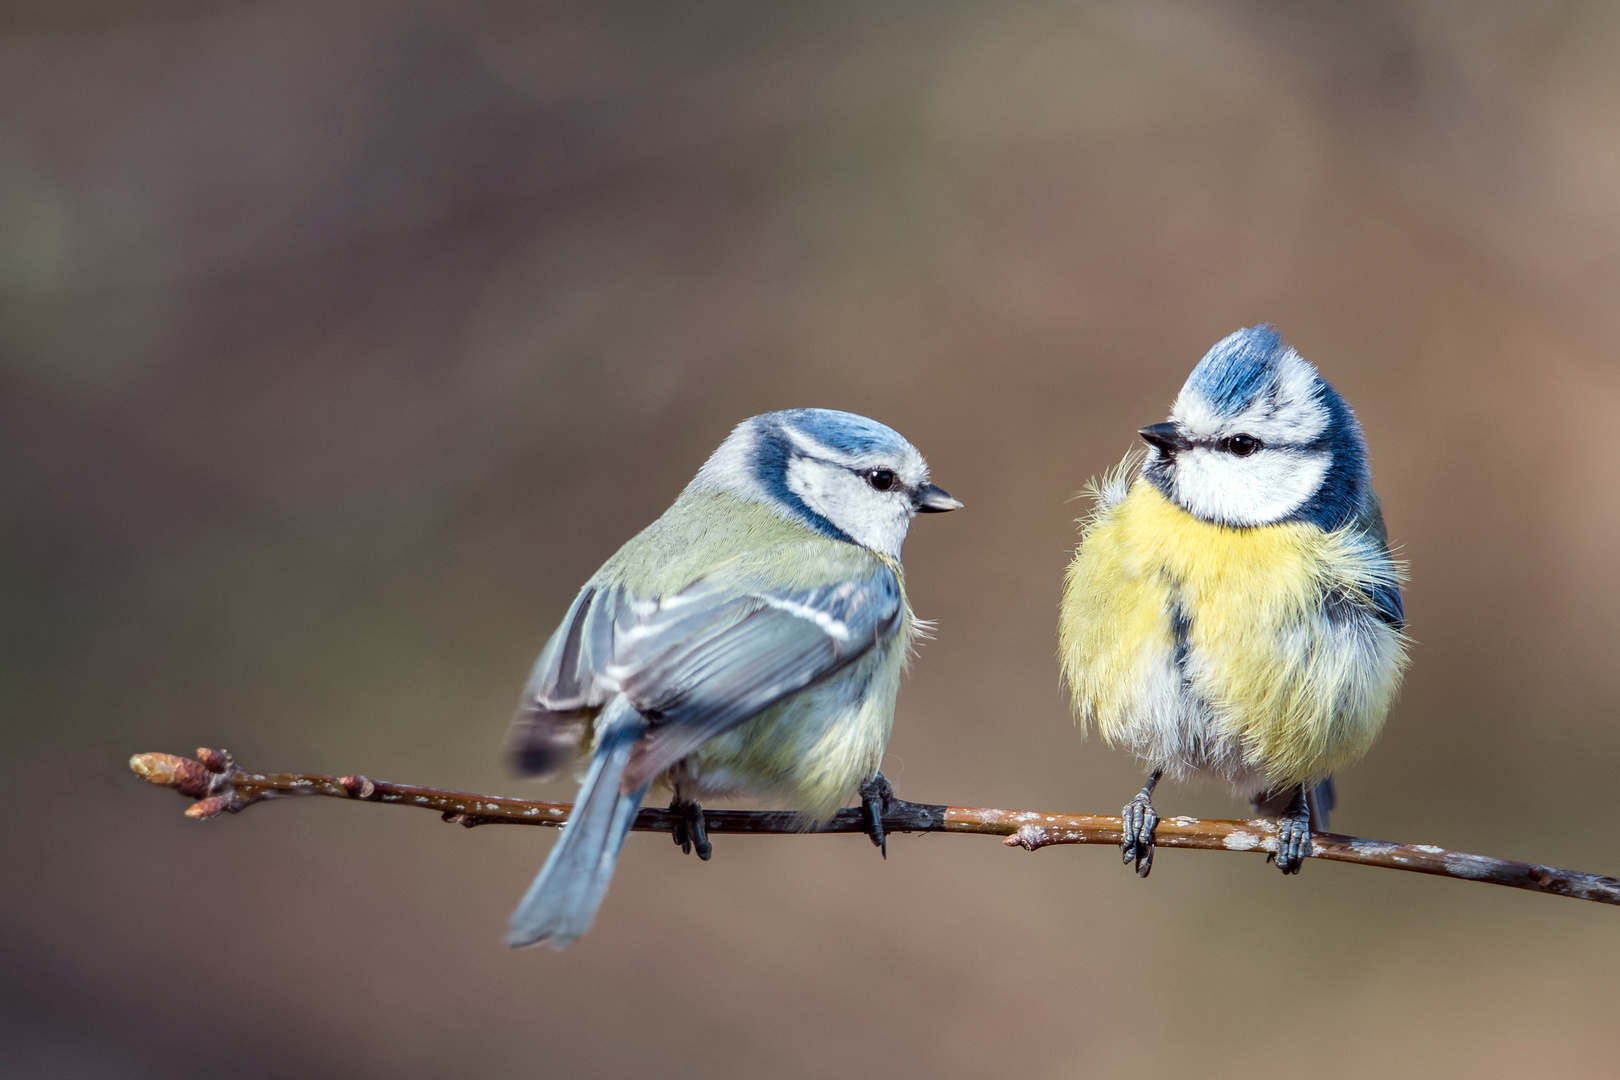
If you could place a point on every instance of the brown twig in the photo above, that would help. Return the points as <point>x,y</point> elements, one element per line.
<point>220,786</point>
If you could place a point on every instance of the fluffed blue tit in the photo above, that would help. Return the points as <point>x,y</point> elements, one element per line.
<point>748,642</point>
<point>1233,610</point>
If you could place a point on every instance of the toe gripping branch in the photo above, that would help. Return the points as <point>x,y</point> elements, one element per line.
<point>1293,834</point>
<point>690,830</point>
<point>883,812</point>
<point>1140,822</point>
<point>877,794</point>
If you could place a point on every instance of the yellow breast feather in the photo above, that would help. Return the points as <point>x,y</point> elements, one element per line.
<point>1236,620</point>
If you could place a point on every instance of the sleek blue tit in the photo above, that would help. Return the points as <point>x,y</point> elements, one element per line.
<point>1233,610</point>
<point>748,642</point>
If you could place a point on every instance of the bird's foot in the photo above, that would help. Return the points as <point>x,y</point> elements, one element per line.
<point>1293,834</point>
<point>691,833</point>
<point>1136,843</point>
<point>876,795</point>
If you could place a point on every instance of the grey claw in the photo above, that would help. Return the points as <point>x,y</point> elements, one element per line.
<point>1150,825</point>
<point>876,794</point>
<point>1137,844</point>
<point>691,833</point>
<point>1293,842</point>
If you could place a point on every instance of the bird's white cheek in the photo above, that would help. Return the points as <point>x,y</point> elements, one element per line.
<point>1257,490</point>
<point>870,518</point>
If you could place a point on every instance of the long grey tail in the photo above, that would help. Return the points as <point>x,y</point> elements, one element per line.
<point>562,902</point>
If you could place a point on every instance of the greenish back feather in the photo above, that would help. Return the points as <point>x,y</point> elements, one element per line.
<point>706,532</point>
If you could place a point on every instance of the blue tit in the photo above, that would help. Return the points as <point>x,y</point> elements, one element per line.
<point>748,642</point>
<point>1233,610</point>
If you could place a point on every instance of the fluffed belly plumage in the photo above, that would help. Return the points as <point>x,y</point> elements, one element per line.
<point>1245,654</point>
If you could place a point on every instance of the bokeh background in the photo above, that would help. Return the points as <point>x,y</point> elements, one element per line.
<point>341,340</point>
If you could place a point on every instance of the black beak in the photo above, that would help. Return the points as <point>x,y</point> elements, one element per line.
<point>932,499</point>
<point>1166,436</point>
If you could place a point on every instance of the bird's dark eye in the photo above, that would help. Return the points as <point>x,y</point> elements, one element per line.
<point>1241,445</point>
<point>881,479</point>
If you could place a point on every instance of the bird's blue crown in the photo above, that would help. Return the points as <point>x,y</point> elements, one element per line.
<point>1255,373</point>
<point>850,434</point>
<point>1240,368</point>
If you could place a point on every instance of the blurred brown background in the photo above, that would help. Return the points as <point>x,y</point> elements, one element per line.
<point>340,341</point>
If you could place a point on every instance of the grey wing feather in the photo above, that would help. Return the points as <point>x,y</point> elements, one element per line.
<point>563,691</point>
<point>1386,595</point>
<point>1389,605</point>
<point>713,661</point>
<point>695,663</point>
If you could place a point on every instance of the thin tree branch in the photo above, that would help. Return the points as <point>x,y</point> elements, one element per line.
<point>219,786</point>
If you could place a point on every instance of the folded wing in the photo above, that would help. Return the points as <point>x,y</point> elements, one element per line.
<point>695,663</point>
